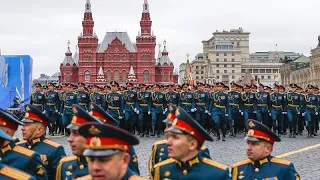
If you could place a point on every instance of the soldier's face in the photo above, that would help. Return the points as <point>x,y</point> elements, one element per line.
<point>81,88</point>
<point>261,88</point>
<point>166,132</point>
<point>258,150</point>
<point>38,88</point>
<point>31,130</point>
<point>76,142</point>
<point>51,88</point>
<point>179,146</point>
<point>109,168</point>
<point>129,88</point>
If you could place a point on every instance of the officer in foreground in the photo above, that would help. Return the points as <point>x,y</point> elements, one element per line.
<point>16,156</point>
<point>33,132</point>
<point>75,166</point>
<point>184,143</point>
<point>106,148</point>
<point>260,164</point>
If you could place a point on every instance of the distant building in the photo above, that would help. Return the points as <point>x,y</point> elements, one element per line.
<point>45,79</point>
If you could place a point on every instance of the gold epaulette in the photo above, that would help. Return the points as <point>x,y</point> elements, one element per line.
<point>240,163</point>
<point>160,142</point>
<point>21,142</point>
<point>67,158</point>
<point>165,162</point>
<point>280,161</point>
<point>214,164</point>
<point>203,147</point>
<point>87,177</point>
<point>14,173</point>
<point>135,177</point>
<point>51,143</point>
<point>23,150</point>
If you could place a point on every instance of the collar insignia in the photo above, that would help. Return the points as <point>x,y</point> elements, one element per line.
<point>93,130</point>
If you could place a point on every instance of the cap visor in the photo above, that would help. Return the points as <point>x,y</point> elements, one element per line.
<point>254,139</point>
<point>73,127</point>
<point>100,153</point>
<point>28,120</point>
<point>175,130</point>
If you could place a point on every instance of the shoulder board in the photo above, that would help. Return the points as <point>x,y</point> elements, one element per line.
<point>214,163</point>
<point>165,162</point>
<point>280,161</point>
<point>135,177</point>
<point>14,173</point>
<point>160,142</point>
<point>203,147</point>
<point>240,163</point>
<point>67,159</point>
<point>23,150</point>
<point>21,142</point>
<point>51,143</point>
<point>86,177</point>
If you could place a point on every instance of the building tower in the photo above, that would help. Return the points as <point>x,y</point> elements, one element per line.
<point>69,68</point>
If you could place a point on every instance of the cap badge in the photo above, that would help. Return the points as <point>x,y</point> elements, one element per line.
<point>251,124</point>
<point>251,132</point>
<point>93,130</point>
<point>95,142</point>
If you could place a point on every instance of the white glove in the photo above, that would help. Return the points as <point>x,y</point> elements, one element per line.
<point>303,114</point>
<point>226,115</point>
<point>298,113</point>
<point>195,109</point>
<point>269,114</point>
<point>206,112</point>
<point>241,113</point>
<point>44,112</point>
<point>254,112</point>
<point>137,112</point>
<point>166,109</point>
<point>164,112</point>
<point>56,110</point>
<point>124,111</point>
<point>135,109</point>
<point>283,112</point>
<point>209,114</point>
<point>192,110</point>
<point>149,112</point>
<point>316,113</point>
<point>120,117</point>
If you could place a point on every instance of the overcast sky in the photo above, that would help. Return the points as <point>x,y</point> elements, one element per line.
<point>41,28</point>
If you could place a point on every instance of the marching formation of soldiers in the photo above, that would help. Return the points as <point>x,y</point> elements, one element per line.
<point>219,109</point>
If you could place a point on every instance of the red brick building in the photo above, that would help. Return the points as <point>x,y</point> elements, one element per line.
<point>116,57</point>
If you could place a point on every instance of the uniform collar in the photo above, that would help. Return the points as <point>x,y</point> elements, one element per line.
<point>82,159</point>
<point>36,140</point>
<point>7,147</point>
<point>189,163</point>
<point>260,162</point>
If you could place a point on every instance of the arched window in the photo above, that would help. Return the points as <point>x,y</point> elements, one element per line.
<point>109,58</point>
<point>108,76</point>
<point>145,76</point>
<point>124,76</point>
<point>116,75</point>
<point>124,57</point>
<point>87,76</point>
<point>68,78</point>
<point>165,78</point>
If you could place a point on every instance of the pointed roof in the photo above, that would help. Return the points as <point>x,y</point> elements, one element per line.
<point>145,7</point>
<point>76,56</point>
<point>159,54</point>
<point>165,58</point>
<point>247,79</point>
<point>68,58</point>
<point>122,36</point>
<point>88,6</point>
<point>131,72</point>
<point>100,73</point>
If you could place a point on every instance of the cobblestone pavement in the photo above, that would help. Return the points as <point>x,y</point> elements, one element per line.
<point>307,163</point>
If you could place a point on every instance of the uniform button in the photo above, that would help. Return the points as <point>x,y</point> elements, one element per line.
<point>29,147</point>
<point>256,169</point>
<point>0,158</point>
<point>81,166</point>
<point>185,172</point>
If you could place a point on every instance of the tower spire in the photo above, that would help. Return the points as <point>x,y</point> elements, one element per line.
<point>88,6</point>
<point>145,22</point>
<point>145,7</point>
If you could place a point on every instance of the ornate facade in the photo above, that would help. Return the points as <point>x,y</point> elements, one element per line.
<point>116,57</point>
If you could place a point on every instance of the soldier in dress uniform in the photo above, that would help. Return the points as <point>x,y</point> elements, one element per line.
<point>106,118</point>
<point>186,100</point>
<point>144,110</point>
<point>260,164</point>
<point>172,97</point>
<point>277,107</point>
<point>60,126</point>
<point>293,110</point>
<point>130,108</point>
<point>16,156</point>
<point>262,104</point>
<point>311,105</point>
<point>234,109</point>
<point>115,103</point>
<point>201,106</point>
<point>184,143</point>
<point>52,107</point>
<point>160,148</point>
<point>97,97</point>
<point>45,89</point>
<point>219,108</point>
<point>75,166</point>
<point>33,132</point>
<point>248,100</point>
<point>300,117</point>
<point>106,148</point>
<point>10,173</point>
<point>69,99</point>
<point>316,123</point>
<point>158,110</point>
<point>38,98</point>
<point>83,97</point>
